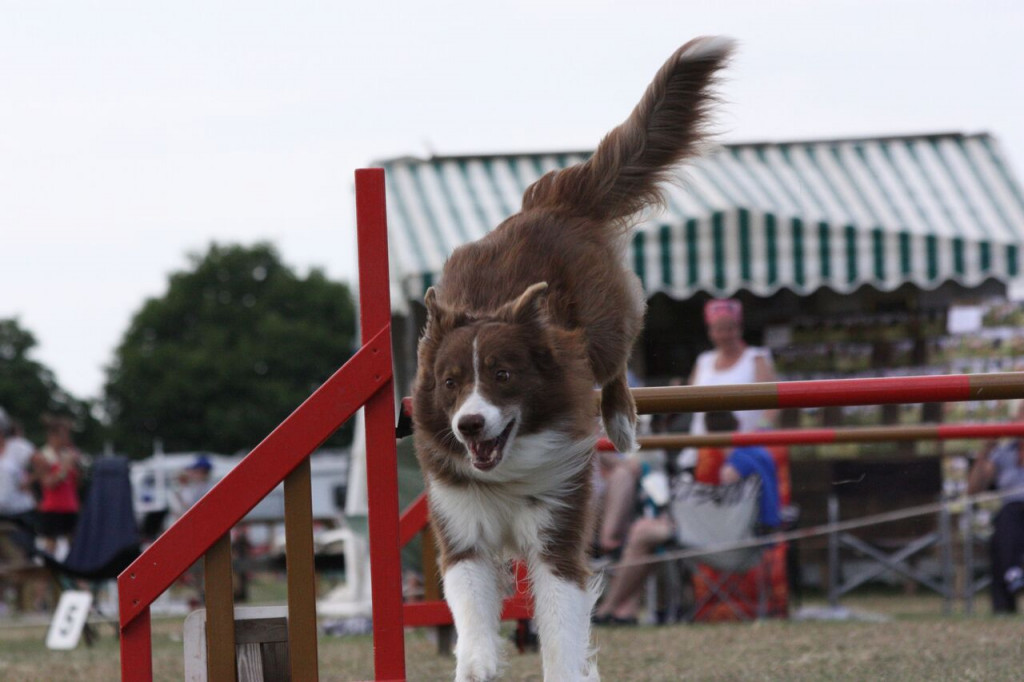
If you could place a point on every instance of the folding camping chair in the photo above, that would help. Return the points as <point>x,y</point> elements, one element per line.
<point>106,539</point>
<point>734,583</point>
<point>18,572</point>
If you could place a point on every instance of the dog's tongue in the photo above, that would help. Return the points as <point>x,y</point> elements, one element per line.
<point>485,454</point>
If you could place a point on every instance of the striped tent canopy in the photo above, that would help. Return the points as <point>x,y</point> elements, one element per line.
<point>801,215</point>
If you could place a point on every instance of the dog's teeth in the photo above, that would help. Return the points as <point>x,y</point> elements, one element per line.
<point>483,449</point>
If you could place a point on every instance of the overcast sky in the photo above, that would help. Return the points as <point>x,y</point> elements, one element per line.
<point>134,133</point>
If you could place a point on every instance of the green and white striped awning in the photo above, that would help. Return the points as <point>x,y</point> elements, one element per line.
<point>802,215</point>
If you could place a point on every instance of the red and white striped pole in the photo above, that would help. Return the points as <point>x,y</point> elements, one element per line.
<point>828,436</point>
<point>828,393</point>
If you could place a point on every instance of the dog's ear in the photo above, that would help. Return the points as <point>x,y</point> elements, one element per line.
<point>433,307</point>
<point>440,318</point>
<point>531,306</point>
<point>438,321</point>
<point>437,315</point>
<point>667,125</point>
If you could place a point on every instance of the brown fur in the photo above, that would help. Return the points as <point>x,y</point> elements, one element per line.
<point>547,293</point>
<point>569,231</point>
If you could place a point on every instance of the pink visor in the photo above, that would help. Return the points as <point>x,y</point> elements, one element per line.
<point>719,308</point>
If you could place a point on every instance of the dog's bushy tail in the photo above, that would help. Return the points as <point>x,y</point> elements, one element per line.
<point>667,125</point>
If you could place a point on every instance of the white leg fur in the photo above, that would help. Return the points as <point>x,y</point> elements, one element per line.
<point>562,611</point>
<point>474,597</point>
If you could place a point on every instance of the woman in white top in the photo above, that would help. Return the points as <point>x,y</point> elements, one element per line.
<point>731,361</point>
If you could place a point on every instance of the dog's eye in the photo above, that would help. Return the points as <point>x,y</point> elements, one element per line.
<point>449,383</point>
<point>502,375</point>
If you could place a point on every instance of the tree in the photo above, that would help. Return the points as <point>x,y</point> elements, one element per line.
<point>28,390</point>
<point>231,349</point>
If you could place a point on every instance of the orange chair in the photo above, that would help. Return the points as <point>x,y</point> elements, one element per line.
<point>756,592</point>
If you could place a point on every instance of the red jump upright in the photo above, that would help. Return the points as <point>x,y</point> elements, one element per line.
<point>381,455</point>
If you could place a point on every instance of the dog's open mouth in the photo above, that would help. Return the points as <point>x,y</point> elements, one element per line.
<point>485,454</point>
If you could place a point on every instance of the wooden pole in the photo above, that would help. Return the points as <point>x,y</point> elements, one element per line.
<point>827,393</point>
<point>220,611</point>
<point>298,522</point>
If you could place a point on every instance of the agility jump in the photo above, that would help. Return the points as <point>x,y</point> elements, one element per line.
<point>366,379</point>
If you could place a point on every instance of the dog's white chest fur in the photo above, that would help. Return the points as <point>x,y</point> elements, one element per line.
<point>509,509</point>
<point>488,521</point>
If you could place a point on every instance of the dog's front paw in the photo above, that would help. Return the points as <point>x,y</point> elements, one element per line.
<point>478,659</point>
<point>475,673</point>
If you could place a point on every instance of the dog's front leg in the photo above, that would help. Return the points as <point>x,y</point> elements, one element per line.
<point>562,610</point>
<point>473,595</point>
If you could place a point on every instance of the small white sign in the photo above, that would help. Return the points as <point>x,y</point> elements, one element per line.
<point>69,619</point>
<point>964,319</point>
<point>1015,289</point>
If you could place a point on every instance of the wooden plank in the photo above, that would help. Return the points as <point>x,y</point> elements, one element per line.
<point>220,612</point>
<point>260,630</point>
<point>250,663</point>
<point>252,624</point>
<point>194,635</point>
<point>276,665</point>
<point>298,521</point>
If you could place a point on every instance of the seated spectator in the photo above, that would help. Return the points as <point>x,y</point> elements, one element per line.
<point>194,481</point>
<point>1000,464</point>
<point>729,361</point>
<point>743,462</point>
<point>615,478</point>
<point>615,498</point>
<point>621,600</point>
<point>617,485</point>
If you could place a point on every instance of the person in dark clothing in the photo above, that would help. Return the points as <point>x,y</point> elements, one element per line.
<point>1001,465</point>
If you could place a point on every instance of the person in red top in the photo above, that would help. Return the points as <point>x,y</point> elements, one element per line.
<point>56,467</point>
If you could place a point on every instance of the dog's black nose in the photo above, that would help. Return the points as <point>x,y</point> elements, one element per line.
<point>471,425</point>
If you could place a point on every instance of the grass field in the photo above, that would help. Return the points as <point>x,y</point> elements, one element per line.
<point>914,643</point>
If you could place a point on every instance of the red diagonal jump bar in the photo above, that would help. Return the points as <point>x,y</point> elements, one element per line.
<point>413,520</point>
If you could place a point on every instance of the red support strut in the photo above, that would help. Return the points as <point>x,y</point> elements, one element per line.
<point>381,455</point>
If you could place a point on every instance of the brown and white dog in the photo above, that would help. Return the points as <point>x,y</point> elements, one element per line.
<point>521,326</point>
